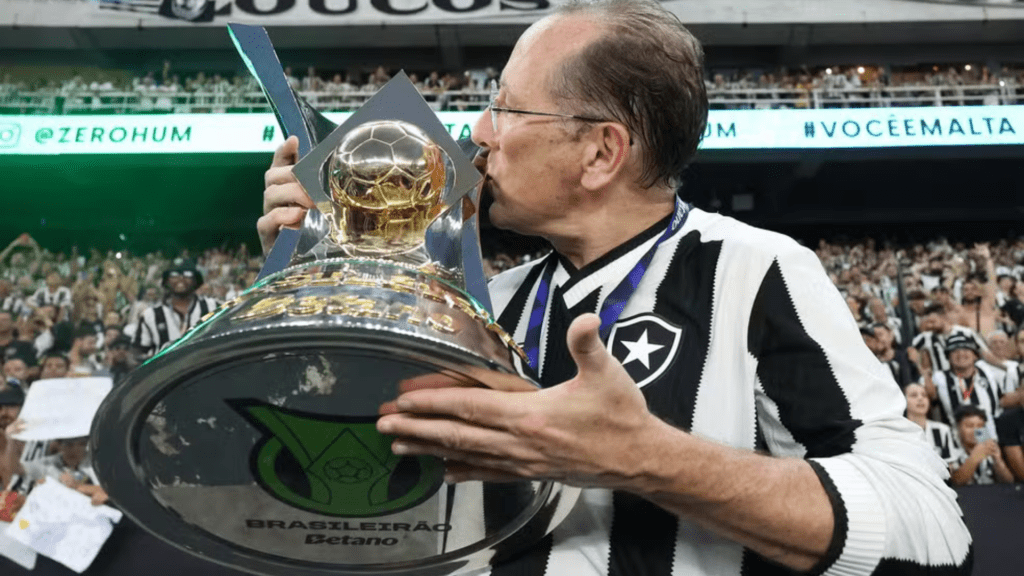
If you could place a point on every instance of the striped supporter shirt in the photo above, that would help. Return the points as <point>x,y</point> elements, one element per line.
<point>737,335</point>
<point>161,324</point>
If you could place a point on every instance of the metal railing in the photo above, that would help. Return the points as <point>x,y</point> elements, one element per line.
<point>156,102</point>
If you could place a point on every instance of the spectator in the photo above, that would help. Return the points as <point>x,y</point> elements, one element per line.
<point>82,357</point>
<point>71,466</point>
<point>10,345</point>
<point>1010,426</point>
<point>44,331</point>
<point>149,298</point>
<point>980,461</point>
<point>15,372</point>
<point>20,266</point>
<point>118,361</point>
<point>979,311</point>
<point>1009,370</point>
<point>54,365</point>
<point>180,310</point>
<point>117,290</point>
<point>936,329</point>
<point>938,434</point>
<point>876,308</point>
<point>11,301</point>
<point>966,383</point>
<point>879,339</point>
<point>53,293</point>
<point>11,400</point>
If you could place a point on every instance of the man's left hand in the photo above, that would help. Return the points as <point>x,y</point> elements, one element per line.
<point>587,431</point>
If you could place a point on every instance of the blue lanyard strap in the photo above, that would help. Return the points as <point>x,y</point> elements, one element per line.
<point>613,304</point>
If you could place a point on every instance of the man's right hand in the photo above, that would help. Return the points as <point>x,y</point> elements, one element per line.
<point>284,200</point>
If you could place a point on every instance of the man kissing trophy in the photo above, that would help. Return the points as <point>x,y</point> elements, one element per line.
<point>251,441</point>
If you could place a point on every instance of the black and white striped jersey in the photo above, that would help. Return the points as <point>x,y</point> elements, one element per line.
<point>941,437</point>
<point>161,324</point>
<point>14,304</point>
<point>985,473</point>
<point>934,344</point>
<point>737,335</point>
<point>982,390</point>
<point>60,297</point>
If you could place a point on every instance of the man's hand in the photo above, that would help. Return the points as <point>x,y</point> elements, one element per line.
<point>985,449</point>
<point>97,495</point>
<point>586,431</point>
<point>284,200</point>
<point>982,251</point>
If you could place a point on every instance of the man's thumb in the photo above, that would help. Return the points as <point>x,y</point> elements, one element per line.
<point>585,344</point>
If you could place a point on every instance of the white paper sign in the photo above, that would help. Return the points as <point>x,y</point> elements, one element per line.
<point>19,553</point>
<point>62,407</point>
<point>62,524</point>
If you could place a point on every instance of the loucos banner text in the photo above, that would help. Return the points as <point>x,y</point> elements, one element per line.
<point>170,13</point>
<point>727,130</point>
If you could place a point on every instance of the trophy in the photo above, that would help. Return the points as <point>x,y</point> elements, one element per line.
<point>252,440</point>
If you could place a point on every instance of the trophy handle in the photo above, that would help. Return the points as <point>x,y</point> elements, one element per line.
<point>296,117</point>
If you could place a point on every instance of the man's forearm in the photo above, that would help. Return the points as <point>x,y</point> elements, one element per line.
<point>1014,457</point>
<point>962,475</point>
<point>777,507</point>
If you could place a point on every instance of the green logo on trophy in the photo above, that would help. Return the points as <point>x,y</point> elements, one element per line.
<point>335,466</point>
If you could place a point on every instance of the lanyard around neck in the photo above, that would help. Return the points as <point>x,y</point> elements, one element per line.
<point>613,304</point>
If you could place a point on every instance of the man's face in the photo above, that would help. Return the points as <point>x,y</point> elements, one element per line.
<point>87,345</point>
<point>6,287</point>
<point>52,280</point>
<point>533,165</point>
<point>118,355</point>
<point>1005,284</point>
<point>54,368</point>
<point>151,294</point>
<point>971,291</point>
<point>6,322</point>
<point>962,358</point>
<point>872,343</point>
<point>941,297</point>
<point>884,336</point>
<point>16,368</point>
<point>181,283</point>
<point>8,414</point>
<point>73,451</point>
<point>1000,345</point>
<point>966,428</point>
<point>918,305</point>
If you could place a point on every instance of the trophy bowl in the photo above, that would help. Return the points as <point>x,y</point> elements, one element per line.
<point>252,440</point>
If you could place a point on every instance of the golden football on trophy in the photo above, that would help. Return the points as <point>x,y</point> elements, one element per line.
<point>386,180</point>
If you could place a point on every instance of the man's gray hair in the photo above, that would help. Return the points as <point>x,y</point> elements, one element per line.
<point>646,72</point>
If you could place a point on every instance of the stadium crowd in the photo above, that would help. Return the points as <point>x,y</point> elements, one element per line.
<point>96,91</point>
<point>947,320</point>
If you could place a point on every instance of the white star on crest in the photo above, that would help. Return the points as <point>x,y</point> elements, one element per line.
<point>641,350</point>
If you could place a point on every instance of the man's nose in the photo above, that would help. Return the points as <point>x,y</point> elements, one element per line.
<point>483,130</point>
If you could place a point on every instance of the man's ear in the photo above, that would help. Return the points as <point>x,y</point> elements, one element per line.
<point>606,155</point>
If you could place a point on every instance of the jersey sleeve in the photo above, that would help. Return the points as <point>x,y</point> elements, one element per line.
<point>821,389</point>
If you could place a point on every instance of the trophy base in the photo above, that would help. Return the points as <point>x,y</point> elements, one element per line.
<point>253,443</point>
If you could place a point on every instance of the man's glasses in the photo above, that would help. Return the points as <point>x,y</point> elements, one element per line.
<point>186,274</point>
<point>495,109</point>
